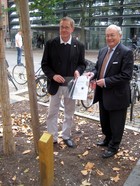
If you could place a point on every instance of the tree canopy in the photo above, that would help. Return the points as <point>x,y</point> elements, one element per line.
<point>45,9</point>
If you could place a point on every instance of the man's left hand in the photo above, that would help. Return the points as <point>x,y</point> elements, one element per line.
<point>76,74</point>
<point>100,83</point>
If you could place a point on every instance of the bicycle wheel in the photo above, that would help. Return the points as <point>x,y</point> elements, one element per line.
<point>19,74</point>
<point>138,93</point>
<point>90,97</point>
<point>11,79</point>
<point>41,86</point>
<point>133,101</point>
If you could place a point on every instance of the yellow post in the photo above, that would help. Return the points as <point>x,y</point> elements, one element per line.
<point>46,159</point>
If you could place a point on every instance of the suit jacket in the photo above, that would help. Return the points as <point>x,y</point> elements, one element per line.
<point>116,93</point>
<point>52,61</point>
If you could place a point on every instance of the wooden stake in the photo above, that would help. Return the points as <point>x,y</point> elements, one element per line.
<point>46,159</point>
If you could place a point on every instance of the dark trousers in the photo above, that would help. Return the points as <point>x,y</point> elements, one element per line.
<point>112,123</point>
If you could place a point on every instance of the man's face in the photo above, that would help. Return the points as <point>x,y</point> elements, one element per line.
<point>65,30</point>
<point>112,37</point>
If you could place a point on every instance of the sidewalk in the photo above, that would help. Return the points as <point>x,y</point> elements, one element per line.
<point>134,177</point>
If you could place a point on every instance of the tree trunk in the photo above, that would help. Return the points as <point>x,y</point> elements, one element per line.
<point>23,9</point>
<point>8,139</point>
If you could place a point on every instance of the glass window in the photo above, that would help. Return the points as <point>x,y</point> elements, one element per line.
<point>127,11</point>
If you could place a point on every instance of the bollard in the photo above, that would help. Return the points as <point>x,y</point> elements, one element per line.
<point>46,159</point>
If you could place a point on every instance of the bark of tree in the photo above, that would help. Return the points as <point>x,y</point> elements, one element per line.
<point>23,9</point>
<point>8,139</point>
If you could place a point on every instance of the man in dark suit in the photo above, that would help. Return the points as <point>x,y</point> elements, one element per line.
<point>113,77</point>
<point>63,59</point>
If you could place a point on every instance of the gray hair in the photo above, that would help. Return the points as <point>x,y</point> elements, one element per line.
<point>115,27</point>
<point>72,22</point>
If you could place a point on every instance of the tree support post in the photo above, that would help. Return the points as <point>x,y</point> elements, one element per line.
<point>46,159</point>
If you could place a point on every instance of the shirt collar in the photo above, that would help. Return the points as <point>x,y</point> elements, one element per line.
<point>68,42</point>
<point>113,49</point>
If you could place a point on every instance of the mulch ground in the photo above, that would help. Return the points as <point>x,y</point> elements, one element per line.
<point>80,166</point>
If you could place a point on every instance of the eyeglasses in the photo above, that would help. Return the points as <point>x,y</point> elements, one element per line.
<point>64,27</point>
<point>111,35</point>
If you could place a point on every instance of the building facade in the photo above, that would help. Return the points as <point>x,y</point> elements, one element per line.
<point>92,16</point>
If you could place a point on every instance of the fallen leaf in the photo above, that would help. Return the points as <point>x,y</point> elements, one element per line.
<point>84,172</point>
<point>116,178</point>
<point>82,122</point>
<point>62,163</point>
<point>77,139</point>
<point>79,155</point>
<point>116,168</point>
<point>55,153</point>
<point>120,153</point>
<point>14,178</point>
<point>132,159</point>
<point>26,170</point>
<point>99,172</point>
<point>26,151</point>
<point>136,133</point>
<point>94,145</point>
<point>126,151</point>
<point>37,158</point>
<point>85,183</point>
<point>89,166</point>
<point>100,136</point>
<point>85,153</point>
<point>86,138</point>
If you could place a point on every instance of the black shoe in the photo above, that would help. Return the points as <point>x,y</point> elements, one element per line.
<point>55,142</point>
<point>109,154</point>
<point>102,144</point>
<point>69,143</point>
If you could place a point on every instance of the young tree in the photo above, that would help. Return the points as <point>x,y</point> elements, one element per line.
<point>23,10</point>
<point>8,139</point>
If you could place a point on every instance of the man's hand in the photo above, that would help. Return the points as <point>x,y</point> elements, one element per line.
<point>76,74</point>
<point>100,83</point>
<point>58,78</point>
<point>89,75</point>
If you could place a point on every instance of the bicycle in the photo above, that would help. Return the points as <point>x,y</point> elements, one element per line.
<point>90,96</point>
<point>20,75</point>
<point>136,51</point>
<point>85,103</point>
<point>135,91</point>
<point>10,77</point>
<point>41,88</point>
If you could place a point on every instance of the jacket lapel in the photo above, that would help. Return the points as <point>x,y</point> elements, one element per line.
<point>73,49</point>
<point>58,48</point>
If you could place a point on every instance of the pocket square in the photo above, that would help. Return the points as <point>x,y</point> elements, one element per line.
<point>115,62</point>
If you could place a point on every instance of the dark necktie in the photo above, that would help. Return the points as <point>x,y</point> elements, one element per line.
<point>105,63</point>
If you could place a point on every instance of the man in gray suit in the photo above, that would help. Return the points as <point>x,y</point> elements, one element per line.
<point>113,77</point>
<point>63,59</point>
